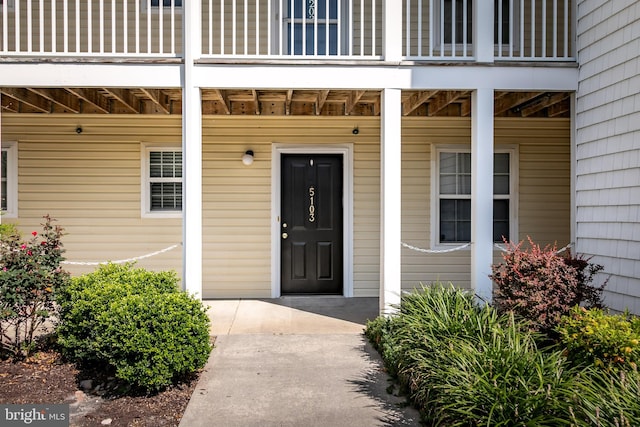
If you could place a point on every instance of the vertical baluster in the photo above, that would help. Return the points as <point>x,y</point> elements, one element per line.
<point>500,20</point>
<point>441,27</point>
<point>303,14</point>
<point>233,27</point>
<point>291,29</point>
<point>544,29</point>
<point>533,28</point>
<point>464,27</point>
<point>339,27</point>
<point>453,29</point>
<point>16,18</point>
<point>419,25</point>
<point>173,27</point>
<point>65,25</point>
<point>41,24</point>
<point>29,27</point>
<point>555,28</point>
<point>54,26</point>
<point>269,27</point>
<point>257,27</point>
<point>373,27</point>
<point>361,27</point>
<point>246,29</point>
<point>351,23</point>
<point>137,24</point>
<point>280,24</point>
<point>432,24</point>
<point>5,27</point>
<point>125,27</point>
<point>160,27</point>
<point>222,27</point>
<point>78,37</point>
<point>113,26</point>
<point>148,26</point>
<point>407,28</point>
<point>521,28</point>
<point>210,29</point>
<point>566,28</point>
<point>90,27</point>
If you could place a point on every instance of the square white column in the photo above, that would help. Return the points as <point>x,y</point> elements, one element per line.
<point>390,197</point>
<point>482,192</point>
<point>191,155</point>
<point>483,21</point>
<point>392,31</point>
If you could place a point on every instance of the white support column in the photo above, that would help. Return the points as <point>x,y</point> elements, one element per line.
<point>482,192</point>
<point>483,40</point>
<point>191,155</point>
<point>392,31</point>
<point>390,198</point>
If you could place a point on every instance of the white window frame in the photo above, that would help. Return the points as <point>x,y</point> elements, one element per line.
<point>447,48</point>
<point>145,181</point>
<point>513,197</point>
<point>11,148</point>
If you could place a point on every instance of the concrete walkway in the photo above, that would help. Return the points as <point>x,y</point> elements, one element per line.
<point>294,362</point>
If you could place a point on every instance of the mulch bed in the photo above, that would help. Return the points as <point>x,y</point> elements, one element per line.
<point>46,379</point>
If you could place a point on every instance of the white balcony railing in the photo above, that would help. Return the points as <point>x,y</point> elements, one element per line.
<point>524,30</point>
<point>141,28</point>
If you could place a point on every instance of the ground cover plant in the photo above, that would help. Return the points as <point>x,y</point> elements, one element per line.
<point>134,322</point>
<point>467,365</point>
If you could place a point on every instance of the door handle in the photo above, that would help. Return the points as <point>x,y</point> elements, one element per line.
<point>285,235</point>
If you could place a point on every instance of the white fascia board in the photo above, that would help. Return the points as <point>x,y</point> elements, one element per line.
<point>444,77</point>
<point>90,75</point>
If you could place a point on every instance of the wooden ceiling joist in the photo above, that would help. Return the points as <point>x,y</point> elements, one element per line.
<point>319,102</point>
<point>94,98</point>
<point>126,98</point>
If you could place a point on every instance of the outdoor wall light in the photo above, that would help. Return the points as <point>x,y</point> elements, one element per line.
<point>79,130</point>
<point>247,158</point>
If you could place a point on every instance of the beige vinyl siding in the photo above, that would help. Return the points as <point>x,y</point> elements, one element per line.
<point>543,147</point>
<point>237,198</point>
<point>90,183</point>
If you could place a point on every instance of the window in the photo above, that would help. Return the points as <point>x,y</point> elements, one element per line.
<point>166,3</point>
<point>308,15</point>
<point>162,183</point>
<point>453,17</point>
<point>9,180</point>
<point>453,196</point>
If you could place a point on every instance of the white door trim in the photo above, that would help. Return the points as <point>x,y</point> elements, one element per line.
<point>347,193</point>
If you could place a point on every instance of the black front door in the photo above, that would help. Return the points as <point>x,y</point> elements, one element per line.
<point>311,224</point>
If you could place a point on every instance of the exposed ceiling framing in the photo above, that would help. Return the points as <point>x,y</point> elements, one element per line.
<point>275,102</point>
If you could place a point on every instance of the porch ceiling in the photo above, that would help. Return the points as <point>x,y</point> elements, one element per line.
<point>274,102</point>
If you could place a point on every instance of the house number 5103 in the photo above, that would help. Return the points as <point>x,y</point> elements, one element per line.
<point>312,204</point>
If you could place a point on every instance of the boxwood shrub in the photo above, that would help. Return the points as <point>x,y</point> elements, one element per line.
<point>135,322</point>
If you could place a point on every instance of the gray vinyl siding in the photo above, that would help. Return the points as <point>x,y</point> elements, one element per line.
<point>608,145</point>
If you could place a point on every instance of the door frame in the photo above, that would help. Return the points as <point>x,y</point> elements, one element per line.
<point>347,213</point>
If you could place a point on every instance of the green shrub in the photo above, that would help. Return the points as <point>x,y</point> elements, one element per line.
<point>30,277</point>
<point>152,340</point>
<point>135,322</point>
<point>540,286</point>
<point>595,337</point>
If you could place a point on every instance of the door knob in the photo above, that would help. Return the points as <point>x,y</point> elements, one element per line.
<point>285,235</point>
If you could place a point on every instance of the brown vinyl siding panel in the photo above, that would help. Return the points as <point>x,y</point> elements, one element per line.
<point>91,183</point>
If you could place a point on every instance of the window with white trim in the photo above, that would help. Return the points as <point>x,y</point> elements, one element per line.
<point>162,181</point>
<point>9,180</point>
<point>453,195</point>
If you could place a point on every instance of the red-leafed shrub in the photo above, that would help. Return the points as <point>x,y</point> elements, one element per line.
<point>540,285</point>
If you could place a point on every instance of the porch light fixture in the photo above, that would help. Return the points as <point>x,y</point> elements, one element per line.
<point>247,158</point>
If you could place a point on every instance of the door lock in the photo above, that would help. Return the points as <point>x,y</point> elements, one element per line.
<point>285,235</point>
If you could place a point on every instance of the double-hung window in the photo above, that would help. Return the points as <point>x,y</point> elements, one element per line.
<point>453,195</point>
<point>162,181</point>
<point>9,180</point>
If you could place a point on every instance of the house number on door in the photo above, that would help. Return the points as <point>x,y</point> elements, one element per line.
<point>312,205</point>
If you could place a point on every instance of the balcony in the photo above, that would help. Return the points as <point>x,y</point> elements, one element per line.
<point>432,30</point>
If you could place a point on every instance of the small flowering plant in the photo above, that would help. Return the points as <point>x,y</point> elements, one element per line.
<point>30,274</point>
